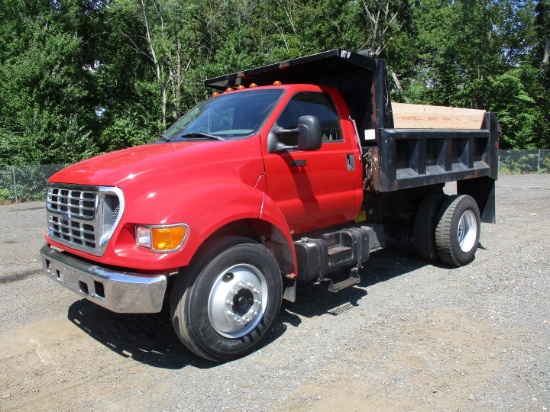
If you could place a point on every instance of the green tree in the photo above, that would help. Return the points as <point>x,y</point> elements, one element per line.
<point>80,77</point>
<point>47,107</point>
<point>475,53</point>
<point>542,61</point>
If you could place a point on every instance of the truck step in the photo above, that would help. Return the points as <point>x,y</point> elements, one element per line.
<point>338,253</point>
<point>353,279</point>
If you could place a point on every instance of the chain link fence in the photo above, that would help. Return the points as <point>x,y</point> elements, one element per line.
<point>27,183</point>
<point>524,161</point>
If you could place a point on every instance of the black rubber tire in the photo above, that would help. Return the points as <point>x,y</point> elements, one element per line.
<point>191,297</point>
<point>457,214</point>
<point>424,227</point>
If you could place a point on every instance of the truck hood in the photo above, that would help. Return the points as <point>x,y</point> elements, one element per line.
<point>173,160</point>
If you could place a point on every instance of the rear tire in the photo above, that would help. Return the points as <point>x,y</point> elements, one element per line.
<point>457,231</point>
<point>424,227</point>
<point>226,302</point>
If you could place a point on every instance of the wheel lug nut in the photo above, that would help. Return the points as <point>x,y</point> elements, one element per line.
<point>228,302</point>
<point>256,291</point>
<point>233,292</point>
<point>241,284</point>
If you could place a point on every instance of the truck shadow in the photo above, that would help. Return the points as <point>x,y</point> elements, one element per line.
<point>145,338</point>
<point>393,261</point>
<point>150,339</point>
<point>397,259</point>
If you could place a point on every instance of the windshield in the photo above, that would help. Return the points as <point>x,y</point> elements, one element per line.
<point>229,116</point>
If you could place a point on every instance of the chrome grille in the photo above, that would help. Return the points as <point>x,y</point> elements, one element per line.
<point>83,217</point>
<point>72,231</point>
<point>75,203</point>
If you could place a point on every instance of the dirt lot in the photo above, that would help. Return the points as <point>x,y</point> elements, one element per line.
<point>411,336</point>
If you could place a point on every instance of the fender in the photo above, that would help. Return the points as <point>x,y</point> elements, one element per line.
<point>270,212</point>
<point>204,207</point>
<point>244,202</point>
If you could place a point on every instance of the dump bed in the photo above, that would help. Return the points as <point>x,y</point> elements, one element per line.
<point>405,147</point>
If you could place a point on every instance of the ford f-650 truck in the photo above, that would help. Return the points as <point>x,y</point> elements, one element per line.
<point>288,174</point>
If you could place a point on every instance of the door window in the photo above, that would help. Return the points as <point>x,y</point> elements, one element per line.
<point>319,105</point>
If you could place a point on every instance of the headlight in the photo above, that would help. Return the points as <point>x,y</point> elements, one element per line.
<point>161,238</point>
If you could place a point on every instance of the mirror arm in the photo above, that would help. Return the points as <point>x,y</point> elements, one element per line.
<point>282,147</point>
<point>280,130</point>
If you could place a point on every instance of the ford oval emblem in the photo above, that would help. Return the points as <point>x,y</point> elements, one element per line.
<point>65,215</point>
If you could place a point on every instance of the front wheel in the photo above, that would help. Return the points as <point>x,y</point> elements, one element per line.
<point>457,231</point>
<point>224,305</point>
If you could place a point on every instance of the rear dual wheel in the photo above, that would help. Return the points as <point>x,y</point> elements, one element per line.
<point>457,231</point>
<point>226,302</point>
<point>425,222</point>
<point>447,228</point>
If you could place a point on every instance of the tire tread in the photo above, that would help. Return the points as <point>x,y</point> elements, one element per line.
<point>445,243</point>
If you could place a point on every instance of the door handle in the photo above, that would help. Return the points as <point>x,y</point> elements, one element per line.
<point>350,162</point>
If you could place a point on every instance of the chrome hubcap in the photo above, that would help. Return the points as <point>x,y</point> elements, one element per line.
<point>467,231</point>
<point>237,300</point>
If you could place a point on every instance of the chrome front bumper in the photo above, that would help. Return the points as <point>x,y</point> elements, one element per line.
<point>121,292</point>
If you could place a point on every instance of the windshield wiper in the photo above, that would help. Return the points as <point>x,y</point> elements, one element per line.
<point>203,135</point>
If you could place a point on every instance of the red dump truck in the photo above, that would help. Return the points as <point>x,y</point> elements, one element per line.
<point>288,174</point>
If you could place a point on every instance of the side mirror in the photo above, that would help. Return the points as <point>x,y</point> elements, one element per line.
<point>309,135</point>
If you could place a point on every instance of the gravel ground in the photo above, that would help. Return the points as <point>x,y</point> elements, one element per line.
<point>411,336</point>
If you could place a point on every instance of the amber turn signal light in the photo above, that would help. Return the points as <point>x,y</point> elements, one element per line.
<point>165,238</point>
<point>168,238</point>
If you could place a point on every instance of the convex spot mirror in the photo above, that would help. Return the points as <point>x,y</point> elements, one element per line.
<point>309,135</point>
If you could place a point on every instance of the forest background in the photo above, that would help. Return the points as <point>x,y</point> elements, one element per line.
<point>83,77</point>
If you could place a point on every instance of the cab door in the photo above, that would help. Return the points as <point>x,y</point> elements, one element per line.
<point>321,188</point>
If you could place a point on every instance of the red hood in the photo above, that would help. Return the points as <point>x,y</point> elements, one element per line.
<point>113,169</point>
<point>183,160</point>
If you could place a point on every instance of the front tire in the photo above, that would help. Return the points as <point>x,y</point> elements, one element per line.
<point>457,231</point>
<point>226,302</point>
